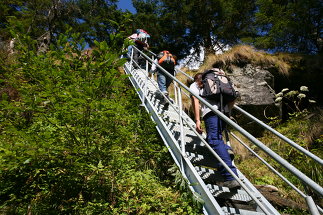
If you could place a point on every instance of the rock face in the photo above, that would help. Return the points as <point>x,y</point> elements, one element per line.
<point>254,85</point>
<point>273,195</point>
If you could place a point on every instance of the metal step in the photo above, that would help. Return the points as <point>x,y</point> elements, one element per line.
<point>209,176</point>
<point>193,142</point>
<point>172,114</point>
<point>206,159</point>
<point>174,123</point>
<point>176,129</point>
<point>236,211</point>
<point>235,198</point>
<point>194,157</point>
<point>161,108</point>
<point>226,193</point>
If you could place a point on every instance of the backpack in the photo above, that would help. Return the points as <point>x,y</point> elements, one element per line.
<point>141,38</point>
<point>216,84</point>
<point>139,31</point>
<point>166,60</point>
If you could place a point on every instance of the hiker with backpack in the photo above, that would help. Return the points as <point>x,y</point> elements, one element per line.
<point>167,61</point>
<point>140,38</point>
<point>218,91</point>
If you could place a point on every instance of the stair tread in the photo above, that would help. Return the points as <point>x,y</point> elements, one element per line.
<point>224,192</point>
<point>209,176</point>
<point>233,211</point>
<point>206,159</point>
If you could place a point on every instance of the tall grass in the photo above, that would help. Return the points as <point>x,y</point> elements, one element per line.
<point>243,54</point>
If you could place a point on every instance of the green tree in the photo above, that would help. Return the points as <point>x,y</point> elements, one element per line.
<point>97,19</point>
<point>293,26</point>
<point>182,25</point>
<point>46,20</point>
<point>277,25</point>
<point>40,16</point>
<point>148,18</point>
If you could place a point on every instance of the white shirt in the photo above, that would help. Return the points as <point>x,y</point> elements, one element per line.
<point>204,109</point>
<point>153,65</point>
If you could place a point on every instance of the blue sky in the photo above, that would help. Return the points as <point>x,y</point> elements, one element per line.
<point>126,5</point>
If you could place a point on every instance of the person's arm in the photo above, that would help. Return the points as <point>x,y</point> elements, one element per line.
<point>153,66</point>
<point>146,46</point>
<point>196,109</point>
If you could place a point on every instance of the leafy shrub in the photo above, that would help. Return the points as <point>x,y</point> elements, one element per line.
<point>293,102</point>
<point>76,142</point>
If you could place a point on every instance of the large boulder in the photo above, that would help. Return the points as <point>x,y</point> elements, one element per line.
<point>254,84</point>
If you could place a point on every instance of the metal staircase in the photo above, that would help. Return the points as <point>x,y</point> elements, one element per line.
<point>195,158</point>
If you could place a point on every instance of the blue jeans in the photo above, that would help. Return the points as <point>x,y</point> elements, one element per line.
<point>129,51</point>
<point>163,81</point>
<point>135,53</point>
<point>214,127</point>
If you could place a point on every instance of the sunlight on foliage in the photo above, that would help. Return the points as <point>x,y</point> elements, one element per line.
<point>74,139</point>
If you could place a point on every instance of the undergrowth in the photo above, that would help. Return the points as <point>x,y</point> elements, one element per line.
<point>304,129</point>
<point>74,140</point>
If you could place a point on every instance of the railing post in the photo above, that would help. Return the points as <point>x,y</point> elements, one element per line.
<point>175,92</point>
<point>131,58</point>
<point>144,93</point>
<point>312,206</point>
<point>147,65</point>
<point>153,74</point>
<point>182,146</point>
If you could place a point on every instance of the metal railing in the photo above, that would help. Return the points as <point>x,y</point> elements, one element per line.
<point>315,187</point>
<point>182,146</point>
<point>284,138</point>
<point>178,86</point>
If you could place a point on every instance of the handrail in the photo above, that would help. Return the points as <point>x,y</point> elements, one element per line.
<point>309,199</point>
<point>286,139</point>
<point>268,165</point>
<point>255,199</point>
<point>152,53</point>
<point>255,141</point>
<point>189,77</point>
<point>262,146</point>
<point>292,143</point>
<point>289,141</point>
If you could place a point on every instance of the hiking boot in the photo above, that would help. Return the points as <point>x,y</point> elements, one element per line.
<point>164,100</point>
<point>165,94</point>
<point>234,184</point>
<point>165,103</point>
<point>158,95</point>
